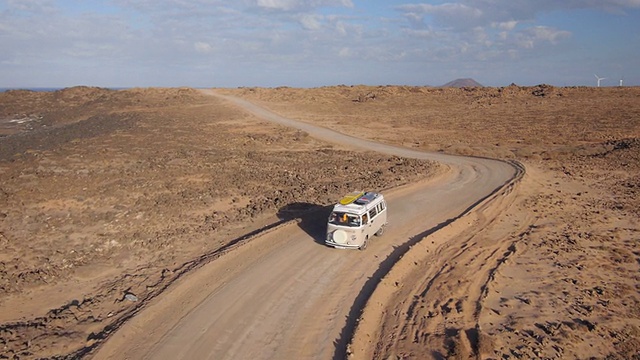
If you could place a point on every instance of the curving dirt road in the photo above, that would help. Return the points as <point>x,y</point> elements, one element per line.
<point>286,295</point>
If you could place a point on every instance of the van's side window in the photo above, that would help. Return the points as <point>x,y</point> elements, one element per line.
<point>365,219</point>
<point>373,212</point>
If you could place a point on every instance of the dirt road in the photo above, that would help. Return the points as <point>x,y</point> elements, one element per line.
<point>286,295</point>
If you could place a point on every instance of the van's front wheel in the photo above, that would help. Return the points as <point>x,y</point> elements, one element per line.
<point>364,244</point>
<point>380,231</point>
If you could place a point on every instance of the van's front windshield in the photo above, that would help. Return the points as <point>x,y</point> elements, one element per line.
<point>344,219</point>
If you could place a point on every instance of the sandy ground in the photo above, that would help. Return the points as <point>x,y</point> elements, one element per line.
<point>290,299</point>
<point>552,270</point>
<point>108,198</point>
<point>103,210</point>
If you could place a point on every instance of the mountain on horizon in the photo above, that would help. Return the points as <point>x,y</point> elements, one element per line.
<point>459,83</point>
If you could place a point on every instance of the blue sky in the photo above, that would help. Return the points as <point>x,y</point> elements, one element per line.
<point>212,43</point>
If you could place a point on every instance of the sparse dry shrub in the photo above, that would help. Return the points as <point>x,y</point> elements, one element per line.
<point>365,97</point>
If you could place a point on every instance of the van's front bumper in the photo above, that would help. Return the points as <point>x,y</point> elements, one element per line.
<point>341,246</point>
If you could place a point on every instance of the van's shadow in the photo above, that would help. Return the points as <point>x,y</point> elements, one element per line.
<point>311,218</point>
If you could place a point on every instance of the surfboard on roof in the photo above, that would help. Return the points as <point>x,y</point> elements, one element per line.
<point>351,197</point>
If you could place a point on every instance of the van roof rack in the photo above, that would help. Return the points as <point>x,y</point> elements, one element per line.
<point>366,198</point>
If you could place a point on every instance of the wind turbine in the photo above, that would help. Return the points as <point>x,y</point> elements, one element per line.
<point>599,79</point>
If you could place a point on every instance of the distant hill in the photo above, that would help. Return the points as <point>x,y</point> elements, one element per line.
<point>458,83</point>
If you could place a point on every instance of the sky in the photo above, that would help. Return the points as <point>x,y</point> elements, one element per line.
<point>313,43</point>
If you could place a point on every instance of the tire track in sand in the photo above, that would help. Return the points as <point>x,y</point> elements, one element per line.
<point>430,302</point>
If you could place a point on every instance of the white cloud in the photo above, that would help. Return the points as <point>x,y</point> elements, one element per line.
<point>537,34</point>
<point>32,6</point>
<point>506,25</point>
<point>341,28</point>
<point>278,4</point>
<point>503,14</point>
<point>453,11</point>
<point>480,36</point>
<point>203,47</point>
<point>301,5</point>
<point>447,14</point>
<point>229,37</point>
<point>421,33</point>
<point>597,4</point>
<point>482,30</point>
<point>311,21</point>
<point>345,52</point>
<point>88,50</point>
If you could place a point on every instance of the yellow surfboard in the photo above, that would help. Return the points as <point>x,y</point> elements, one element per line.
<point>351,197</point>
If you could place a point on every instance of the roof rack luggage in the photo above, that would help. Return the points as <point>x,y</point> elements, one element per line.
<point>366,198</point>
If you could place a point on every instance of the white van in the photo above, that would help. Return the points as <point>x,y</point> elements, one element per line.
<point>355,219</point>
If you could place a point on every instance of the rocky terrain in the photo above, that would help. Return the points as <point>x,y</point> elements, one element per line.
<point>550,272</point>
<point>108,197</point>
